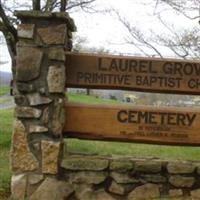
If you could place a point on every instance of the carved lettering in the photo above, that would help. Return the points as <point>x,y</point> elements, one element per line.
<point>132,73</point>
<point>132,123</point>
<point>173,119</point>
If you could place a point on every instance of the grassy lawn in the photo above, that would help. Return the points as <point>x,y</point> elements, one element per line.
<point>90,99</point>
<point>131,149</point>
<point>6,122</point>
<point>4,90</point>
<point>94,147</point>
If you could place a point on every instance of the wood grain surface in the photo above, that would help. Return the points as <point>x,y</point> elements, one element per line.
<point>174,126</point>
<point>132,73</point>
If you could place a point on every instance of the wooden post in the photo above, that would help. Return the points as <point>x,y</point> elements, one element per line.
<point>98,71</point>
<point>144,124</point>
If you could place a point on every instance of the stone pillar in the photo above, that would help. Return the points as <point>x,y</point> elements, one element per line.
<point>37,144</point>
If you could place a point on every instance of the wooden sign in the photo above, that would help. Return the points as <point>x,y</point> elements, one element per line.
<point>133,73</point>
<point>136,124</point>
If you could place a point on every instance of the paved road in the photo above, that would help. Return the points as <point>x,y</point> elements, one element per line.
<point>6,102</point>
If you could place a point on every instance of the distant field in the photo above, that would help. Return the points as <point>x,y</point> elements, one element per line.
<point>90,147</point>
<point>4,90</point>
<point>90,99</point>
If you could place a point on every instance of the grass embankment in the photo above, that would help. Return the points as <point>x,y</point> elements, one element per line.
<point>4,90</point>
<point>94,147</point>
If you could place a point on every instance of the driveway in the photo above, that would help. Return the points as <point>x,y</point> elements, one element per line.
<point>6,102</point>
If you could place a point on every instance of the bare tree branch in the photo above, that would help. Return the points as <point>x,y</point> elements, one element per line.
<point>2,26</point>
<point>137,35</point>
<point>7,22</point>
<point>9,32</point>
<point>81,3</point>
<point>184,7</point>
<point>183,43</point>
<point>11,43</point>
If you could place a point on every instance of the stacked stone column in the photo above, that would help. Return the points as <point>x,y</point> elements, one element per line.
<point>37,144</point>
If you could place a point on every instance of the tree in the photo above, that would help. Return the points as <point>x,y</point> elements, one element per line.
<point>189,8</point>
<point>8,21</point>
<point>186,43</point>
<point>181,43</point>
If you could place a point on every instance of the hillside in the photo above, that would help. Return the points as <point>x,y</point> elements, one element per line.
<point>5,78</point>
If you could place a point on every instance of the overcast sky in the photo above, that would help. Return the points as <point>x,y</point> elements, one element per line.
<point>104,30</point>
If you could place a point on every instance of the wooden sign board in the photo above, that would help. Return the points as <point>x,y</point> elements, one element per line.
<point>132,73</point>
<point>133,124</point>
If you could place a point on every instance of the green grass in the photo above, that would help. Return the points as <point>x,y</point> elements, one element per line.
<point>6,122</point>
<point>91,147</point>
<point>90,99</point>
<point>4,90</point>
<point>132,149</point>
